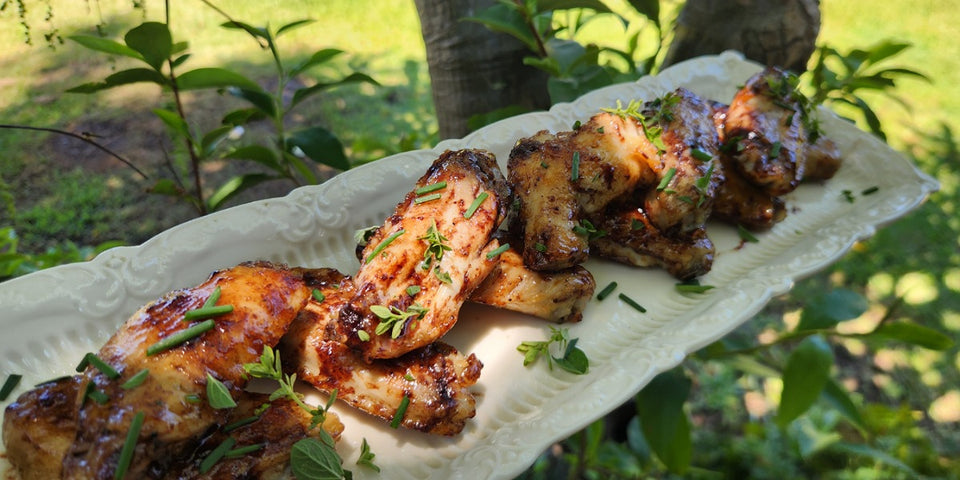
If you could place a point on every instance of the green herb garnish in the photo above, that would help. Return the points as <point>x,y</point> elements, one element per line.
<point>387,241</point>
<point>476,204</point>
<point>435,246</point>
<point>701,155</point>
<point>433,187</point>
<point>362,236</point>
<point>9,385</point>
<point>96,395</point>
<point>363,335</point>
<point>870,191</point>
<point>269,367</point>
<point>497,251</point>
<point>575,167</point>
<point>182,336</point>
<point>393,319</point>
<point>216,454</point>
<point>218,395</point>
<point>633,303</point>
<point>666,179</point>
<point>573,359</point>
<point>540,247</point>
<point>607,290</point>
<point>129,446</point>
<point>585,227</point>
<point>692,286</point>
<point>775,149</point>
<point>99,364</point>
<point>745,234</point>
<point>318,295</point>
<point>427,198</point>
<point>413,290</point>
<point>311,459</point>
<point>239,423</point>
<point>241,451</point>
<point>848,196</point>
<point>636,225</point>
<point>192,398</point>
<point>207,312</point>
<point>401,411</point>
<point>367,456</point>
<point>136,380</point>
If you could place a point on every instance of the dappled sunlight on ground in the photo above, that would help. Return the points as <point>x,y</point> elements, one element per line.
<point>946,408</point>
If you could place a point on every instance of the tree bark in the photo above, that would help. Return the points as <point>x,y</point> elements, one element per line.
<point>474,70</point>
<point>773,32</point>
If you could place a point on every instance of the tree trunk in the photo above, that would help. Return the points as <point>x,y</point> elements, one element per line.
<point>474,70</point>
<point>772,32</point>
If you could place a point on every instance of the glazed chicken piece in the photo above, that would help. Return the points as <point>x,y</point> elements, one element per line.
<point>558,296</point>
<point>39,427</point>
<point>431,246</point>
<point>631,238</point>
<point>823,159</point>
<point>765,122</point>
<point>540,168</point>
<point>687,150</point>
<point>741,203</point>
<point>274,431</point>
<point>264,298</point>
<point>434,379</point>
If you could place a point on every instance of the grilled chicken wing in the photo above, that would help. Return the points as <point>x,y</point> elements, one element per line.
<point>765,120</point>
<point>540,170</point>
<point>742,203</point>
<point>687,152</point>
<point>823,159</point>
<point>265,300</point>
<point>434,379</point>
<point>430,245</point>
<point>633,239</point>
<point>39,427</point>
<point>558,296</point>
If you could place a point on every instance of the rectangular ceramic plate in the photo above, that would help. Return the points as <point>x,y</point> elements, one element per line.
<point>50,318</point>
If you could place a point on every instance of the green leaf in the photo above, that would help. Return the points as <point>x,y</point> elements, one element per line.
<point>243,116</point>
<point>256,153</point>
<point>180,60</point>
<point>174,121</point>
<point>212,77</point>
<point>218,395</point>
<point>649,9</point>
<point>294,24</point>
<point>256,32</point>
<point>567,53</point>
<point>884,50</point>
<point>804,377</point>
<point>914,334</point>
<point>234,186</point>
<point>505,19</point>
<point>311,459</point>
<point>260,99</point>
<point>595,5</point>
<point>663,421</point>
<point>304,93</point>
<point>106,46</point>
<point>835,306</point>
<point>321,146</point>
<point>212,139</point>
<point>318,57</point>
<point>874,454</point>
<point>123,77</point>
<point>573,360</point>
<point>166,186</point>
<point>840,399</point>
<point>153,41</point>
<point>750,364</point>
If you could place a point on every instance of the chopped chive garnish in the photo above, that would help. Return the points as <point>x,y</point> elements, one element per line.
<point>193,331</point>
<point>775,150</point>
<point>213,298</point>
<point>8,385</point>
<point>666,179</point>
<point>632,303</point>
<point>544,164</point>
<point>97,396</point>
<point>576,125</point>
<point>363,335</point>
<point>384,243</point>
<point>848,196</point>
<point>106,369</point>
<point>413,290</point>
<point>498,251</point>
<point>607,290</point>
<point>475,205</point>
<point>745,234</point>
<point>408,377</point>
<point>636,224</point>
<point>401,411</point>
<point>218,395</point>
<point>241,451</point>
<point>240,423</point>
<point>427,198</point>
<point>692,287</point>
<point>129,446</point>
<point>600,130</point>
<point>83,363</point>
<point>318,295</point>
<point>216,454</point>
<point>136,380</point>
<point>433,187</point>
<point>700,155</point>
<point>206,312</point>
<point>575,167</point>
<point>540,247</point>
<point>870,190</point>
<point>192,398</point>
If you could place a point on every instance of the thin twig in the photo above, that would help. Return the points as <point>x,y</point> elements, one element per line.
<point>81,138</point>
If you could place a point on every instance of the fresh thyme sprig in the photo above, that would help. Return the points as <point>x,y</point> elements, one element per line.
<point>573,359</point>
<point>434,252</point>
<point>393,319</point>
<point>269,367</point>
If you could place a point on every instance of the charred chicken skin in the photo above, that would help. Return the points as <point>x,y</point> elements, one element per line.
<point>264,301</point>
<point>432,246</point>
